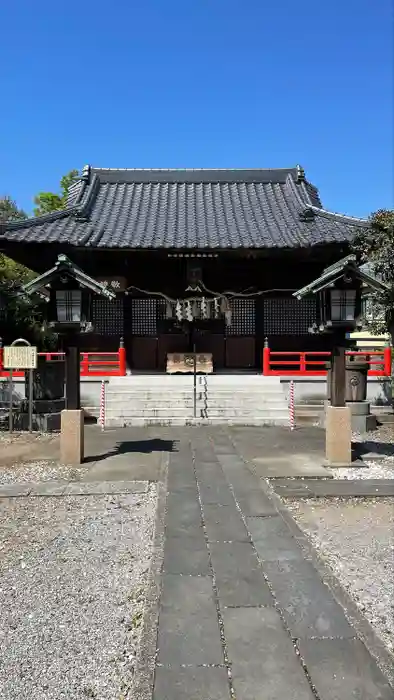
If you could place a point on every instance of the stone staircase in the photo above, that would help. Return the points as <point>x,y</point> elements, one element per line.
<point>220,399</point>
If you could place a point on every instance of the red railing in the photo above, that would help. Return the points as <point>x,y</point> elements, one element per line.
<point>313,364</point>
<point>93,364</point>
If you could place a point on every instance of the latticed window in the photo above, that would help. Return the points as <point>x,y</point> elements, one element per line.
<point>145,314</point>
<point>108,316</point>
<point>68,304</point>
<point>243,317</point>
<point>286,316</point>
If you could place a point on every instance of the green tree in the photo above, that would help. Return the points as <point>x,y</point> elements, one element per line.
<point>11,273</point>
<point>19,317</point>
<point>50,201</point>
<point>9,210</point>
<point>375,246</point>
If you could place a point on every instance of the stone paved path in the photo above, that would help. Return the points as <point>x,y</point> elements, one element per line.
<point>242,613</point>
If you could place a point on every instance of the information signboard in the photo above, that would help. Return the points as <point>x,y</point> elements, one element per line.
<point>20,357</point>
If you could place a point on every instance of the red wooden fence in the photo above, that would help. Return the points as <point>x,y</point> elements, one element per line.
<point>313,364</point>
<point>279,363</point>
<point>93,364</point>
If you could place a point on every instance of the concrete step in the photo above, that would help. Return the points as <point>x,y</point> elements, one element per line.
<point>220,399</point>
<point>224,379</point>
<point>112,400</point>
<point>187,391</point>
<point>168,421</point>
<point>215,413</point>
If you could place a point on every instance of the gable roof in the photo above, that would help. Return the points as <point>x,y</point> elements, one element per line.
<point>64,266</point>
<point>189,209</point>
<point>346,266</point>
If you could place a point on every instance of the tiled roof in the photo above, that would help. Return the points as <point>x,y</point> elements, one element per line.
<point>189,209</point>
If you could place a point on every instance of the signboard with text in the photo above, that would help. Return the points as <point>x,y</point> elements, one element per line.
<point>117,284</point>
<point>20,357</point>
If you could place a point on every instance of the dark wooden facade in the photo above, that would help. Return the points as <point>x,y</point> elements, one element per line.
<point>256,236</point>
<point>268,310</point>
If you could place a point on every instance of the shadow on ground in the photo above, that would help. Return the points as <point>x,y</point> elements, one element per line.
<point>135,446</point>
<point>385,449</point>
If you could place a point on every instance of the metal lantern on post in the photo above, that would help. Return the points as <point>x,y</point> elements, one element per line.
<point>69,315</point>
<point>339,292</point>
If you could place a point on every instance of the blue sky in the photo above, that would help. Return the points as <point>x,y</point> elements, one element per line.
<point>200,83</point>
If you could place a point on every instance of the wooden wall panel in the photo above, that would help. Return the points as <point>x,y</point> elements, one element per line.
<point>144,353</point>
<point>215,344</point>
<point>240,352</point>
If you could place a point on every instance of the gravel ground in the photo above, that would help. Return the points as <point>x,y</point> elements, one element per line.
<point>25,438</point>
<point>356,538</point>
<point>72,578</point>
<point>375,470</point>
<point>5,436</point>
<point>37,471</point>
<point>379,441</point>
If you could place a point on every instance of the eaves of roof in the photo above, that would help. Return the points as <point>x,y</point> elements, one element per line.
<point>189,209</point>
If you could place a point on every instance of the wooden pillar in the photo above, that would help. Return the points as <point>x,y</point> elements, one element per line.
<point>73,375</point>
<point>338,375</point>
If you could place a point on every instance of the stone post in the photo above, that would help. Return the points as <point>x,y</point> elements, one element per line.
<point>338,415</point>
<point>72,418</point>
<point>72,437</point>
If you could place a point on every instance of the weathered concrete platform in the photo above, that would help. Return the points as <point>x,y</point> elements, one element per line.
<point>345,488</point>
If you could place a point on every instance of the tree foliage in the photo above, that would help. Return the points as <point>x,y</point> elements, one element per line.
<point>50,201</point>
<point>9,210</point>
<point>375,245</point>
<point>19,317</point>
<point>23,316</point>
<point>11,273</point>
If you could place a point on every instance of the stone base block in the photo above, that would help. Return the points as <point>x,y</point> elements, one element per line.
<point>72,437</point>
<point>338,435</point>
<point>364,424</point>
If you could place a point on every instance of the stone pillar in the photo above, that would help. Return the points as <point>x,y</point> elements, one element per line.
<point>72,437</point>
<point>338,436</point>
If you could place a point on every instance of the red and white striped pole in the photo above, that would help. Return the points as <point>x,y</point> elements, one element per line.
<point>102,406</point>
<point>291,405</point>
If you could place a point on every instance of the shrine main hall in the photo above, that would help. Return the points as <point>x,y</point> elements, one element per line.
<point>203,259</point>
